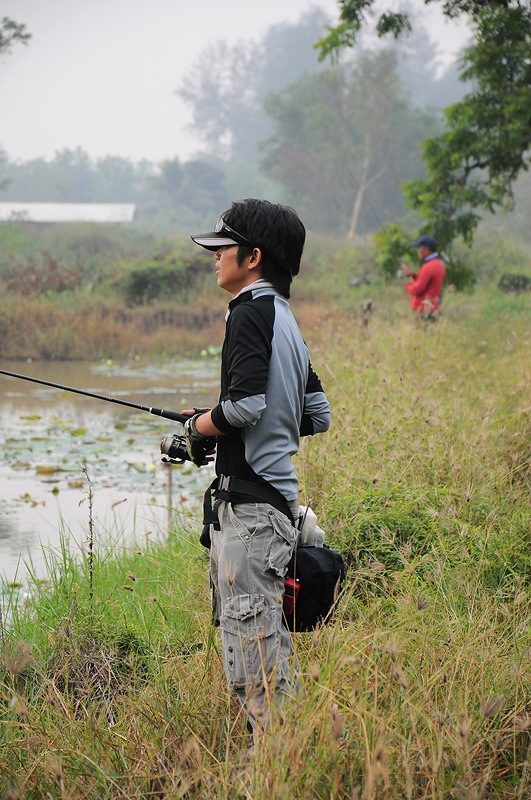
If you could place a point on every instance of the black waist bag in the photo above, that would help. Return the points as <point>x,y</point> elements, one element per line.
<point>312,584</point>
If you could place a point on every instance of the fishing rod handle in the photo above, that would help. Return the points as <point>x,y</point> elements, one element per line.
<point>175,415</point>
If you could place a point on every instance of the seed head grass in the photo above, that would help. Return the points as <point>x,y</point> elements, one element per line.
<point>418,687</point>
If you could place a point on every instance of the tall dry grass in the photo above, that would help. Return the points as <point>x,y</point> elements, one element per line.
<point>418,688</point>
<point>60,328</point>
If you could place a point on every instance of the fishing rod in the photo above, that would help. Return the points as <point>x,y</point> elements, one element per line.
<point>172,447</point>
<point>159,412</point>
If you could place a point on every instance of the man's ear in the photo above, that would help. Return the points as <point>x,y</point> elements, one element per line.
<point>255,259</point>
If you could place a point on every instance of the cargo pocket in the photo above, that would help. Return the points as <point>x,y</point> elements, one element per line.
<point>282,544</point>
<point>248,629</point>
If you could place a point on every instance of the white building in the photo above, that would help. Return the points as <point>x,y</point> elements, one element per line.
<point>67,212</point>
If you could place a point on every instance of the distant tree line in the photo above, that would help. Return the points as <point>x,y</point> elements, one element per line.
<point>336,140</point>
<point>169,195</point>
<point>373,141</point>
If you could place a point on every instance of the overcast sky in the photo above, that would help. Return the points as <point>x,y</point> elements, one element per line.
<point>102,74</point>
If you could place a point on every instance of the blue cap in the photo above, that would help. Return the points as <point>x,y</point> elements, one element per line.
<point>426,241</point>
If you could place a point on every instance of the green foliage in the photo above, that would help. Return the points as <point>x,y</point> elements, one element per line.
<point>170,276</point>
<point>383,531</point>
<point>335,271</point>
<point>12,32</point>
<point>191,187</point>
<point>460,275</point>
<point>392,243</point>
<point>66,256</point>
<point>376,526</point>
<point>509,282</point>
<point>40,275</point>
<point>418,687</point>
<point>171,196</point>
<point>473,165</point>
<point>73,176</point>
<point>355,14</point>
<point>396,23</point>
<point>14,240</point>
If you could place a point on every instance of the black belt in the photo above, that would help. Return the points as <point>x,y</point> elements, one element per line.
<point>236,490</point>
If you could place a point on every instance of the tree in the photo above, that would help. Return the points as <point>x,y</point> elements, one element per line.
<point>118,180</point>
<point>12,32</point>
<point>187,194</point>
<point>228,103</point>
<point>354,15</point>
<point>472,165</point>
<point>341,134</point>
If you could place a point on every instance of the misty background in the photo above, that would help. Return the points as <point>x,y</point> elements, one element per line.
<point>181,107</point>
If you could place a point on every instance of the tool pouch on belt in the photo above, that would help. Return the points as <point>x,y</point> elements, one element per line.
<point>237,490</point>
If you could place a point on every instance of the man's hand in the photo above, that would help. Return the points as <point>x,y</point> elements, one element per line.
<point>200,448</point>
<point>406,270</point>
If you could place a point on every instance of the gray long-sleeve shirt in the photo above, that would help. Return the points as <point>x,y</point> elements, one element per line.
<point>270,395</point>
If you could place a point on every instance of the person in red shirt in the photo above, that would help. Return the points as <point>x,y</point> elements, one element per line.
<point>426,287</point>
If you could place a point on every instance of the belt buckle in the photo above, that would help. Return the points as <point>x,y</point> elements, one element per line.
<point>224,482</point>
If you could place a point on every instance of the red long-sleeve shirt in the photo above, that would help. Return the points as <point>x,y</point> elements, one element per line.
<point>427,285</point>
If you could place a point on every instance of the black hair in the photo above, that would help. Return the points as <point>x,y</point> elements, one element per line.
<point>279,233</point>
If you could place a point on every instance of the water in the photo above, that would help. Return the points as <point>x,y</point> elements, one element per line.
<point>56,446</point>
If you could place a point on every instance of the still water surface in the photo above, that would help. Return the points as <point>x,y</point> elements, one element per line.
<point>48,437</point>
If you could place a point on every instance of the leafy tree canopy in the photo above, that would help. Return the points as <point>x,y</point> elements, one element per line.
<point>12,32</point>
<point>472,165</point>
<point>355,14</point>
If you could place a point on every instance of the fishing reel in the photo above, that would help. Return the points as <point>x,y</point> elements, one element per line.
<point>174,450</point>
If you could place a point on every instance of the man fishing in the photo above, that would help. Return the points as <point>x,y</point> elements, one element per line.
<point>425,289</point>
<point>270,397</point>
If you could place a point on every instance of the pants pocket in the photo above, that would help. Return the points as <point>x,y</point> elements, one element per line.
<point>282,544</point>
<point>250,647</point>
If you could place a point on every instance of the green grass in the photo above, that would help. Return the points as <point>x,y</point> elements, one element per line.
<point>420,686</point>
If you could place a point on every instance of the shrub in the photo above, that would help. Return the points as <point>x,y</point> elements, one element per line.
<point>514,283</point>
<point>142,283</point>
<point>40,274</point>
<point>460,275</point>
<point>391,242</point>
<point>375,527</point>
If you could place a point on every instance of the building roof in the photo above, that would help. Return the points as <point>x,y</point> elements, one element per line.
<point>67,212</point>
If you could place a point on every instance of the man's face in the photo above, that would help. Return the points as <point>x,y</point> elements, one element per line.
<point>232,276</point>
<point>423,252</point>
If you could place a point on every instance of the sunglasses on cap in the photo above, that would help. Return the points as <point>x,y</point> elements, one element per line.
<point>222,236</point>
<point>222,227</point>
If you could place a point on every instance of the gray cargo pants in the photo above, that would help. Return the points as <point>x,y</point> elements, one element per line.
<point>248,561</point>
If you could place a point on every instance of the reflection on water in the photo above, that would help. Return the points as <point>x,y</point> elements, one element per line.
<point>52,440</point>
